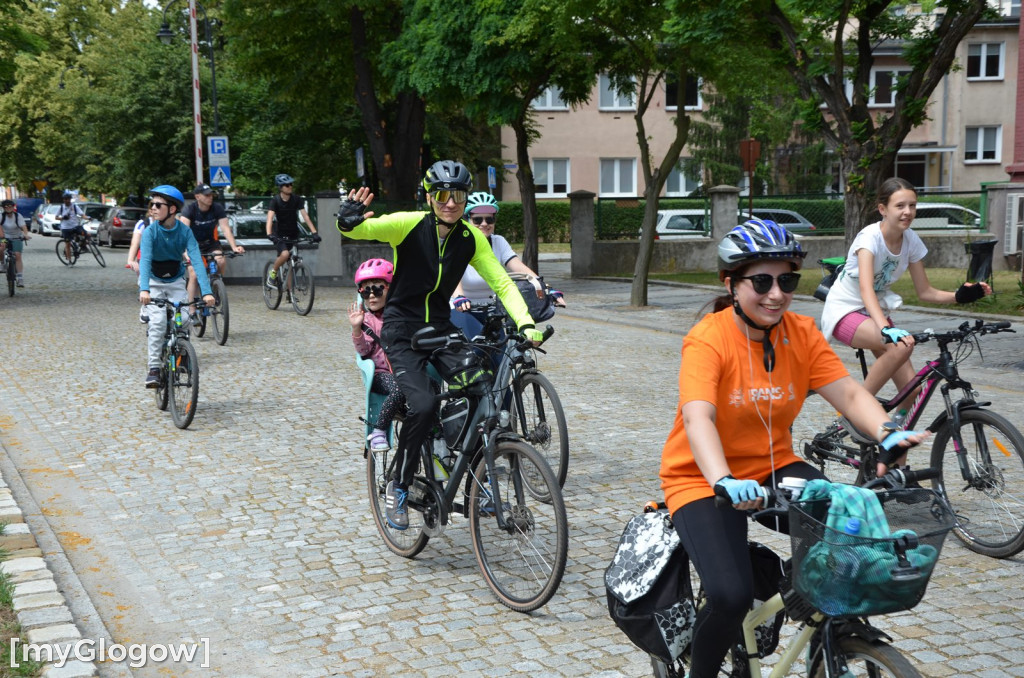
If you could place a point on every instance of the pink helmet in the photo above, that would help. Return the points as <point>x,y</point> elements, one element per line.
<point>375,269</point>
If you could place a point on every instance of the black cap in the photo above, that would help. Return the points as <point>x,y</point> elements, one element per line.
<point>204,189</point>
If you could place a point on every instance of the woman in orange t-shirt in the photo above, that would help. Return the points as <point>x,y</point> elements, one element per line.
<point>745,373</point>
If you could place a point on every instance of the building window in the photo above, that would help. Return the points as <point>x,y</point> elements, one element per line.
<point>982,144</point>
<point>550,100</point>
<point>551,177</point>
<point>618,177</point>
<point>691,94</point>
<point>678,184</point>
<point>985,61</point>
<point>883,87</point>
<point>610,99</point>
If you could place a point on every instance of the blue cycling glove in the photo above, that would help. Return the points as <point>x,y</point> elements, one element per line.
<point>892,335</point>
<point>740,490</point>
<point>459,301</point>
<point>895,438</point>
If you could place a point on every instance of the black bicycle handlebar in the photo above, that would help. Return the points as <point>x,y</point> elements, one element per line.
<point>198,303</point>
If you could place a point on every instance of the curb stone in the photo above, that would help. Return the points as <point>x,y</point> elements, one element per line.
<point>42,611</point>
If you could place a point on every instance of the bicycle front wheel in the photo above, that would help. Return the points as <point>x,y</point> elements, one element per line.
<point>271,293</point>
<point>540,421</point>
<point>161,394</point>
<point>95,249</point>
<point>522,562</point>
<point>869,660</point>
<point>198,324</point>
<point>184,384</point>
<point>989,502</point>
<point>219,313</point>
<point>408,542</point>
<point>303,289</point>
<point>12,275</point>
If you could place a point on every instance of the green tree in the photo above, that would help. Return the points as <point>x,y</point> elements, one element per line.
<point>827,46</point>
<point>492,60</point>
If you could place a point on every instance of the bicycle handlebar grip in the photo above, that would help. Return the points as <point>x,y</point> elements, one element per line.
<point>548,331</point>
<point>1001,325</point>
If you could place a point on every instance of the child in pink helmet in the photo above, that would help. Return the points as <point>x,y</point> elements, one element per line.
<point>373,277</point>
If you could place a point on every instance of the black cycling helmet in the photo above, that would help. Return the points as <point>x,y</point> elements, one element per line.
<point>447,175</point>
<point>755,240</point>
<point>7,203</point>
<point>282,179</point>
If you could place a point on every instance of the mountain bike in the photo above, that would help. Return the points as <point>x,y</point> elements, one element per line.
<point>888,574</point>
<point>501,484</point>
<point>218,313</point>
<point>980,453</point>
<point>294,278</point>
<point>10,265</point>
<point>530,398</point>
<point>80,244</point>
<point>178,388</point>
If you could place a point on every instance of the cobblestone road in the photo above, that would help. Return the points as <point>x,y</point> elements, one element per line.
<point>252,529</point>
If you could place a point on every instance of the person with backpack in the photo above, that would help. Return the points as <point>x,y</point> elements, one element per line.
<point>745,373</point>
<point>15,229</point>
<point>285,209</point>
<point>70,217</point>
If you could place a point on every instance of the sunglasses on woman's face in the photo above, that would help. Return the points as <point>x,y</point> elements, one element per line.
<point>762,282</point>
<point>442,197</point>
<point>483,220</point>
<point>375,290</point>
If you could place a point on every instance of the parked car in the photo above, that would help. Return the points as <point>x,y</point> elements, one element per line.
<point>117,225</point>
<point>945,215</point>
<point>788,219</point>
<point>46,217</point>
<point>27,206</point>
<point>681,224</point>
<point>250,228</point>
<point>92,215</point>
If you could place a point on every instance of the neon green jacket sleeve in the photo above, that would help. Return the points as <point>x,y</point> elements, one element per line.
<point>389,228</point>
<point>491,270</point>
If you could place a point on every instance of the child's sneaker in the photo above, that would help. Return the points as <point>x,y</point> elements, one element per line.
<point>272,278</point>
<point>378,440</point>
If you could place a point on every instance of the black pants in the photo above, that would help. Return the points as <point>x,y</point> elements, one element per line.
<point>410,368</point>
<point>716,541</point>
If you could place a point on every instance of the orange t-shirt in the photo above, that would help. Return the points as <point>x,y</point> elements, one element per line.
<point>721,366</point>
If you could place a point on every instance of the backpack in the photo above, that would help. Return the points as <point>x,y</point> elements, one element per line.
<point>540,309</point>
<point>650,597</point>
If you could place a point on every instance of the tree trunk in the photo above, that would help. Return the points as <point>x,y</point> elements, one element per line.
<point>863,179</point>
<point>524,175</point>
<point>638,290</point>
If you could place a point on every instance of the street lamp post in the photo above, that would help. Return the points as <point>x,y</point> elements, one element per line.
<point>166,36</point>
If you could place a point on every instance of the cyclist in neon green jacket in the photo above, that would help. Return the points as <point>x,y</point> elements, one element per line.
<point>431,252</point>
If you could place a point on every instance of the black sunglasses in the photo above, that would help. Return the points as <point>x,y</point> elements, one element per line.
<point>157,205</point>
<point>483,220</point>
<point>283,185</point>
<point>375,290</point>
<point>762,282</point>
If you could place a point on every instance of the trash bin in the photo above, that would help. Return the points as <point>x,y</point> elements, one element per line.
<point>979,268</point>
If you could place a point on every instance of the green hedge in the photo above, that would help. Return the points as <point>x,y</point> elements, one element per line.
<point>552,221</point>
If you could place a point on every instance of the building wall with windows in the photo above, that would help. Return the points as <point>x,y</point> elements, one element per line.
<point>966,140</point>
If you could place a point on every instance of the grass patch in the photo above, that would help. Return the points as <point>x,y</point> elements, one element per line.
<point>1007,299</point>
<point>9,628</point>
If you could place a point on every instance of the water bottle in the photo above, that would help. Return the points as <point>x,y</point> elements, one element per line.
<point>844,592</point>
<point>213,267</point>
<point>439,453</point>
<point>900,418</point>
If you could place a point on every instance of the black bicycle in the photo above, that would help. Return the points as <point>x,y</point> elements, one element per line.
<point>10,265</point>
<point>219,312</point>
<point>295,278</point>
<point>530,398</point>
<point>489,475</point>
<point>178,388</point>
<point>980,453</point>
<point>80,244</point>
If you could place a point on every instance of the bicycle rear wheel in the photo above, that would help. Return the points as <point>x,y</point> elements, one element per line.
<point>867,659</point>
<point>184,384</point>
<point>818,434</point>
<point>302,288</point>
<point>541,421</point>
<point>95,249</point>
<point>219,313</point>
<point>523,562</point>
<point>989,504</point>
<point>198,327</point>
<point>12,274</point>
<point>271,293</point>
<point>408,542</point>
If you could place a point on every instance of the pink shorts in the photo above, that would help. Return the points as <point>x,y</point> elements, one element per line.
<point>847,327</point>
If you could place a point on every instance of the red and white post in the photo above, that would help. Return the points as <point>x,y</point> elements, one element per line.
<point>197,114</point>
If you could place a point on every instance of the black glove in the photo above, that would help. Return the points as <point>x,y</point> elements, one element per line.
<point>966,293</point>
<point>273,238</point>
<point>316,237</point>
<point>350,215</point>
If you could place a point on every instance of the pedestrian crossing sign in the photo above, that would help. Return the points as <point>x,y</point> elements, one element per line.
<point>220,176</point>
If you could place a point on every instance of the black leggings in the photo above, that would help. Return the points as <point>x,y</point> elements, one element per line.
<point>385,384</point>
<point>716,540</point>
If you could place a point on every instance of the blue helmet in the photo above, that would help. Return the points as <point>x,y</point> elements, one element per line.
<point>169,192</point>
<point>758,239</point>
<point>282,179</point>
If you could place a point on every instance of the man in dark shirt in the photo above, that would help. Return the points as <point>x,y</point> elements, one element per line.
<point>285,208</point>
<point>208,222</point>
